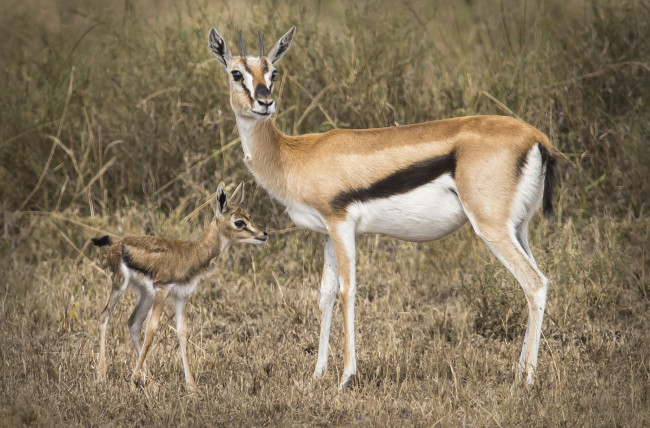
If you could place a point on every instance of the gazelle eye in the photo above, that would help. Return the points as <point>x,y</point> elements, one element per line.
<point>237,76</point>
<point>274,75</point>
<point>239,224</point>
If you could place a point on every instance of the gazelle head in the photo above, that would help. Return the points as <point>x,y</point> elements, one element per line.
<point>251,77</point>
<point>233,222</point>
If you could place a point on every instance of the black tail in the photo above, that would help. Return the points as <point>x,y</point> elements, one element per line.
<point>104,241</point>
<point>549,181</point>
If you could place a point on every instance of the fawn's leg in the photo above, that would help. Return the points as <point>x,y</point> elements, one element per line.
<point>119,286</point>
<point>181,330</point>
<point>158,305</point>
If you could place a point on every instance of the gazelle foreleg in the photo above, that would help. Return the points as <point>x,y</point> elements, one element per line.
<point>181,331</point>
<point>158,305</point>
<point>343,239</point>
<point>328,292</point>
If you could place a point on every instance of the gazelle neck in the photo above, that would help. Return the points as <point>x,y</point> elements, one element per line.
<point>246,126</point>
<point>264,154</point>
<point>210,244</point>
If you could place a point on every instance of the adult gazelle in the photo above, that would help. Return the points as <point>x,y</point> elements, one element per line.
<point>417,182</point>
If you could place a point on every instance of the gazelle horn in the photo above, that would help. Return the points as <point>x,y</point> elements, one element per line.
<point>242,52</point>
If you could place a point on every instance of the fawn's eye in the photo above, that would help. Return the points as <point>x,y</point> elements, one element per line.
<point>239,224</point>
<point>237,76</point>
<point>274,75</point>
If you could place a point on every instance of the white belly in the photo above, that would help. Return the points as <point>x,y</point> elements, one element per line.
<point>426,213</point>
<point>305,216</point>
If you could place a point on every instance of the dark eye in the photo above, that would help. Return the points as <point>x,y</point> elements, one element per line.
<point>239,224</point>
<point>237,76</point>
<point>274,75</point>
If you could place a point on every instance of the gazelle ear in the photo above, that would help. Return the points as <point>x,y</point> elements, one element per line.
<point>219,48</point>
<point>222,200</point>
<point>238,189</point>
<point>281,47</point>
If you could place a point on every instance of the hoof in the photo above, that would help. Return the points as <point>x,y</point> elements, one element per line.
<point>319,372</point>
<point>345,380</point>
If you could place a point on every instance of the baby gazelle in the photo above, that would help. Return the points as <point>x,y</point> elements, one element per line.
<point>158,267</point>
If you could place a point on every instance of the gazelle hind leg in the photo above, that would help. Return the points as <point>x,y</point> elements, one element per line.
<point>140,312</point>
<point>507,248</point>
<point>521,233</point>
<point>328,292</point>
<point>119,285</point>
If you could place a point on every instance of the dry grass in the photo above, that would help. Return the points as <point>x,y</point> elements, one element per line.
<point>116,119</point>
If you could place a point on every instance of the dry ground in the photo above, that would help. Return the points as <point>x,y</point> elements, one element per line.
<point>97,98</point>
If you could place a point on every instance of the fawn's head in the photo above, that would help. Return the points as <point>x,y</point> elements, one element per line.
<point>251,77</point>
<point>233,222</point>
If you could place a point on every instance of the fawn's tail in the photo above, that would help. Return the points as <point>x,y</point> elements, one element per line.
<point>104,241</point>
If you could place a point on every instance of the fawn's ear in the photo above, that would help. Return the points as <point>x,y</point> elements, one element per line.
<point>235,194</point>
<point>219,48</point>
<point>222,200</point>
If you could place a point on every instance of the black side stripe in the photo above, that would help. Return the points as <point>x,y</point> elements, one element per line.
<point>402,181</point>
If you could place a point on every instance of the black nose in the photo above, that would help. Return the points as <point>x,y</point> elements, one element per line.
<point>263,95</point>
<point>261,91</point>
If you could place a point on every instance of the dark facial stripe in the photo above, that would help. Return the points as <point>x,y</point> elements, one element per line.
<point>249,71</point>
<point>402,181</point>
<point>250,98</point>
<point>245,64</point>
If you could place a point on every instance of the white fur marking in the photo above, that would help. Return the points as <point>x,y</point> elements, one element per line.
<point>528,195</point>
<point>305,216</point>
<point>427,213</point>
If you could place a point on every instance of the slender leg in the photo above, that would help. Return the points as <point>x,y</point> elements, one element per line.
<point>344,245</point>
<point>181,331</point>
<point>535,285</point>
<point>139,314</point>
<point>119,286</point>
<point>327,299</point>
<point>158,305</point>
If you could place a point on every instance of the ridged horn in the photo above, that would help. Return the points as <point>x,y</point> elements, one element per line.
<point>261,44</point>
<point>242,52</point>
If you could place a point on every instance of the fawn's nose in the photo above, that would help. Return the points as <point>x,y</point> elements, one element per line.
<point>264,237</point>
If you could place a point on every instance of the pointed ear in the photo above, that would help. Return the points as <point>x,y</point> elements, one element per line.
<point>219,48</point>
<point>281,47</point>
<point>235,194</point>
<point>222,200</point>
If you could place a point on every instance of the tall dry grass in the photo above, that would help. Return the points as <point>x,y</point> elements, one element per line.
<point>115,118</point>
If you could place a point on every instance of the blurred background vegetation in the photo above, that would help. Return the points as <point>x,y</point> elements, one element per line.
<point>104,103</point>
<point>115,118</point>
